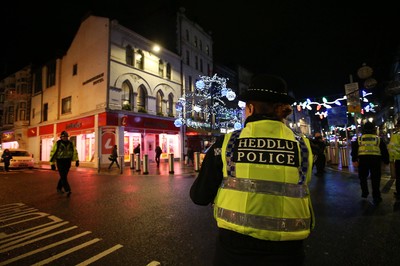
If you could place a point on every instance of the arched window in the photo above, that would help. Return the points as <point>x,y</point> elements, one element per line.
<point>129,55</point>
<point>159,101</point>
<point>170,107</point>
<point>139,59</point>
<point>141,99</point>
<point>126,96</point>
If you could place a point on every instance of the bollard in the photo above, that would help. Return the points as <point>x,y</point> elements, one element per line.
<point>132,161</point>
<point>145,164</point>
<point>171,163</point>
<point>334,155</point>
<point>196,161</point>
<point>343,153</point>
<point>98,164</point>
<point>137,162</point>
<point>121,164</point>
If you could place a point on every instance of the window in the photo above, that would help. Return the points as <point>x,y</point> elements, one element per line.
<point>74,69</point>
<point>196,62</point>
<point>141,99</point>
<point>22,111</point>
<point>207,50</point>
<point>45,111</point>
<point>187,58</point>
<point>159,101</point>
<point>10,115</point>
<point>38,81</point>
<point>201,65</point>
<point>139,59</point>
<point>187,35</point>
<point>168,71</point>
<point>195,41</point>
<point>51,74</point>
<point>170,107</point>
<point>200,45</point>
<point>127,96</point>
<point>33,113</point>
<point>66,105</point>
<point>129,55</point>
<point>190,83</point>
<point>161,68</point>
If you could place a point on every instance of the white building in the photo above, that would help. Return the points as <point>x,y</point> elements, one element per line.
<point>109,88</point>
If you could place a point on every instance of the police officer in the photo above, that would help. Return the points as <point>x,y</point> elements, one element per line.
<point>62,153</point>
<point>367,153</point>
<point>394,153</point>
<point>257,180</point>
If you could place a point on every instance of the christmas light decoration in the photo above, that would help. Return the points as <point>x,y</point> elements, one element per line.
<point>204,107</point>
<point>307,104</point>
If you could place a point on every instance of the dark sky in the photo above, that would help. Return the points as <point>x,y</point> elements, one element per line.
<point>314,45</point>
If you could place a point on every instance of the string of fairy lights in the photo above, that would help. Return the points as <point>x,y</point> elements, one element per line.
<point>205,108</point>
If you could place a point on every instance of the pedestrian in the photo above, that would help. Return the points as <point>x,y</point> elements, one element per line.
<point>114,157</point>
<point>318,146</point>
<point>251,177</point>
<point>190,155</point>
<point>394,153</point>
<point>6,158</point>
<point>62,154</point>
<point>158,155</point>
<point>367,153</point>
<point>137,150</point>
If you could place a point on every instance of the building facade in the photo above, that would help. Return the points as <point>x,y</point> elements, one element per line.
<point>109,88</point>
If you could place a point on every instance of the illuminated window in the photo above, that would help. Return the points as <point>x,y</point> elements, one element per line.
<point>66,105</point>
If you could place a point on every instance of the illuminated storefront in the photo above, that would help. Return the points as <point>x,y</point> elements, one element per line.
<point>94,137</point>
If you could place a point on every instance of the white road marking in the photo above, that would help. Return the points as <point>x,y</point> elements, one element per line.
<point>100,255</point>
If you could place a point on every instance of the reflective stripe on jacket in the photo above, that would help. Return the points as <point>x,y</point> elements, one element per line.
<point>369,145</point>
<point>262,193</point>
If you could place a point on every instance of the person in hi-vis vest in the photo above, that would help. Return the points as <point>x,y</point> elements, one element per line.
<point>367,153</point>
<point>394,152</point>
<point>251,176</point>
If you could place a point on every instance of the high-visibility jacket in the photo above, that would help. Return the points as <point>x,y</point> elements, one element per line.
<point>63,150</point>
<point>394,146</point>
<point>369,145</point>
<point>264,192</point>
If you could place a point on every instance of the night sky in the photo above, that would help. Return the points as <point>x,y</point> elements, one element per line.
<point>315,46</point>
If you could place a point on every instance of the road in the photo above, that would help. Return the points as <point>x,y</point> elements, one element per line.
<point>135,219</point>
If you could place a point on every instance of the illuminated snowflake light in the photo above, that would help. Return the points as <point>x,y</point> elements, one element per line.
<point>205,108</point>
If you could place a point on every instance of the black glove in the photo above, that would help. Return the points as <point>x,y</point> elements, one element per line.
<point>53,167</point>
<point>76,163</point>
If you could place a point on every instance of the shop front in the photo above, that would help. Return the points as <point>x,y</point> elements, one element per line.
<point>95,135</point>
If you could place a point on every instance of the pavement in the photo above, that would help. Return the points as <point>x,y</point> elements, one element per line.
<point>178,168</point>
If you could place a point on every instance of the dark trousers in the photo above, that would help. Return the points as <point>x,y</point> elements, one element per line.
<point>397,167</point>
<point>63,166</point>
<point>234,249</point>
<point>7,165</point>
<point>158,160</point>
<point>320,163</point>
<point>370,166</point>
<point>112,162</point>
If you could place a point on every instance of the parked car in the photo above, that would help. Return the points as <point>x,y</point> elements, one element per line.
<point>21,159</point>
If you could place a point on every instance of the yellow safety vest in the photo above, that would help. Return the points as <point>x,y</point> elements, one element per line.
<point>264,193</point>
<point>394,147</point>
<point>369,145</point>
